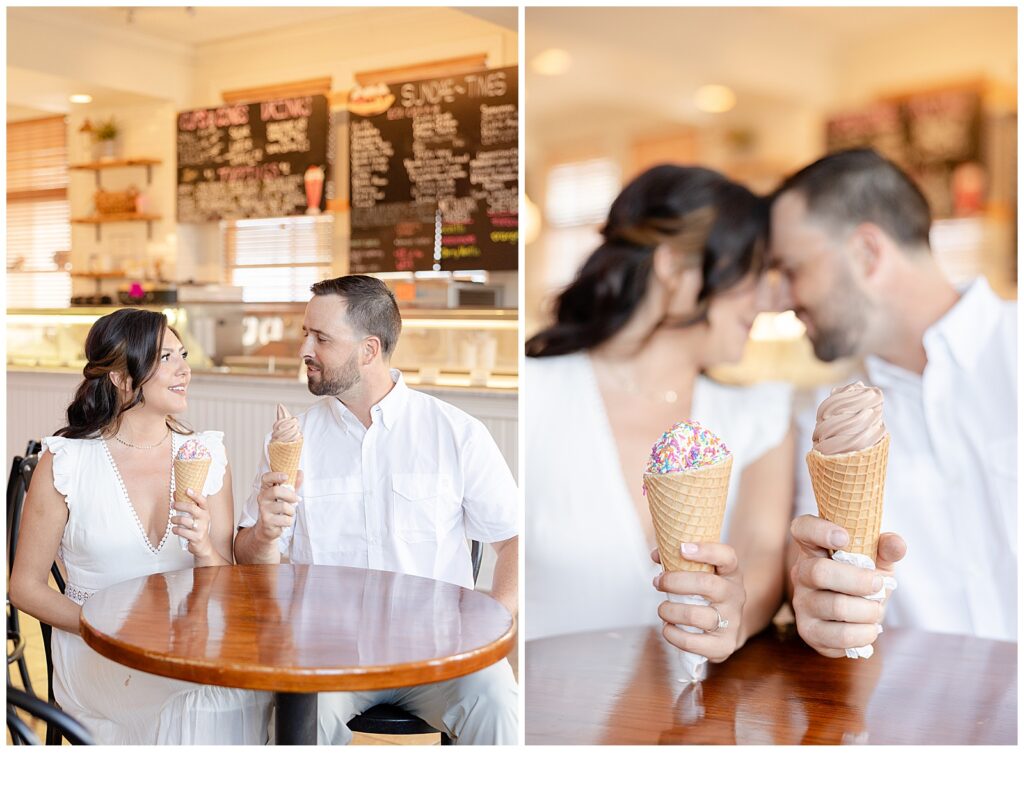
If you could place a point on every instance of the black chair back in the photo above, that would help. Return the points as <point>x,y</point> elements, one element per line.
<point>54,718</point>
<point>476,554</point>
<point>17,488</point>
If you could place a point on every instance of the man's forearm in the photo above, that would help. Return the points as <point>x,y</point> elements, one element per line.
<point>250,547</point>
<point>505,587</point>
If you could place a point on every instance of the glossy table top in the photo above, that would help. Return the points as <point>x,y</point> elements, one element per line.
<point>293,628</point>
<point>620,687</point>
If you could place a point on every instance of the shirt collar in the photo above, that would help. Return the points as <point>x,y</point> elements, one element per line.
<point>963,330</point>
<point>391,406</point>
<point>388,410</point>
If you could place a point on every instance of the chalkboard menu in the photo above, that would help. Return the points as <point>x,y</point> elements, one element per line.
<point>880,127</point>
<point>434,179</point>
<point>253,160</point>
<point>935,136</point>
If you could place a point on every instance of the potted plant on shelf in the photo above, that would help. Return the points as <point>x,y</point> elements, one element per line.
<point>105,134</point>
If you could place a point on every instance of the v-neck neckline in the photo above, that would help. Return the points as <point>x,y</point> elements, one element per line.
<point>131,508</point>
<point>613,446</point>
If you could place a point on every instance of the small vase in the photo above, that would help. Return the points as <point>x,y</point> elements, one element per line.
<point>106,150</point>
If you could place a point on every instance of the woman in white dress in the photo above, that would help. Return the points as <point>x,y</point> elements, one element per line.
<point>673,289</point>
<point>101,501</point>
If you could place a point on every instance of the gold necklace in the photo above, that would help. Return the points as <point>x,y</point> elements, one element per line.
<point>136,446</point>
<point>629,385</point>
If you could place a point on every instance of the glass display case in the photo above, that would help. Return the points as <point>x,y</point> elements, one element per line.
<point>473,348</point>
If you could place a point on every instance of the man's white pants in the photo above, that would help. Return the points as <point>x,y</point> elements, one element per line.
<point>481,708</point>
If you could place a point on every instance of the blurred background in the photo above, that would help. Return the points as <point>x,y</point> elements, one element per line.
<point>757,93</point>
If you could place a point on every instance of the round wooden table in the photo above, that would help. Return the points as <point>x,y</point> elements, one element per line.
<point>620,687</point>
<point>296,630</point>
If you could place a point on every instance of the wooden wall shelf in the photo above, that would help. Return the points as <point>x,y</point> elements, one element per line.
<point>99,167</point>
<point>126,217</point>
<point>108,275</point>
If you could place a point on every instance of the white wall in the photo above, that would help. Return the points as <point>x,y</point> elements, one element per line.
<point>954,45</point>
<point>340,47</point>
<point>45,41</point>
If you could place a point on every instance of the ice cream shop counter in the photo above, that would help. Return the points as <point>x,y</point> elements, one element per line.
<point>245,361</point>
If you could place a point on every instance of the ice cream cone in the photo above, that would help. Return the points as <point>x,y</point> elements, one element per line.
<point>849,489</point>
<point>284,456</point>
<point>190,474</point>
<point>687,506</point>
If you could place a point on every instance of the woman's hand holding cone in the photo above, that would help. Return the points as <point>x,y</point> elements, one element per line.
<point>723,589</point>
<point>193,524</point>
<point>828,597</point>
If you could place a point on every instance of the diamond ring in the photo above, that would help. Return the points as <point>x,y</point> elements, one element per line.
<point>722,623</point>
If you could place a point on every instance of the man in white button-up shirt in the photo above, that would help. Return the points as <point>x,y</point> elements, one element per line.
<point>392,479</point>
<point>849,236</point>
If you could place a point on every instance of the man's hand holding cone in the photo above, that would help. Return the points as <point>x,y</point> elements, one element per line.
<point>832,615</point>
<point>839,602</point>
<point>278,497</point>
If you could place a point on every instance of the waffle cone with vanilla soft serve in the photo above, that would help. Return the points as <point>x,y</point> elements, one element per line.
<point>848,464</point>
<point>285,457</point>
<point>687,484</point>
<point>285,447</point>
<point>849,489</point>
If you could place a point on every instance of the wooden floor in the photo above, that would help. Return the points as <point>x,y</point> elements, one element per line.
<point>36,659</point>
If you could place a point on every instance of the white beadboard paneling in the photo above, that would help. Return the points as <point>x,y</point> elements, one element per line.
<point>36,402</point>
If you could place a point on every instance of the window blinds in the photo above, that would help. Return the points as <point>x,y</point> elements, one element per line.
<point>277,259</point>
<point>38,216</point>
<point>579,193</point>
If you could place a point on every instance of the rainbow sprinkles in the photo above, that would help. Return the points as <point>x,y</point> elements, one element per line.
<point>685,447</point>
<point>192,449</point>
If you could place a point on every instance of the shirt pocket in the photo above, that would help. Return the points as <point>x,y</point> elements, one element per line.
<point>332,510</point>
<point>415,504</point>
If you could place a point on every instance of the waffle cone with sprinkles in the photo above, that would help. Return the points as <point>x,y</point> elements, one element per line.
<point>191,465</point>
<point>687,485</point>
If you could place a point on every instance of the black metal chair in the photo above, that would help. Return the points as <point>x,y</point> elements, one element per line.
<point>19,484</point>
<point>17,487</point>
<point>393,720</point>
<point>55,719</point>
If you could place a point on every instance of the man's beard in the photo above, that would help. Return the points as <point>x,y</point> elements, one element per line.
<point>334,383</point>
<point>847,317</point>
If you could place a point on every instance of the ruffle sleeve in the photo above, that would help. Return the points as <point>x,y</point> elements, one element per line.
<point>63,451</point>
<point>214,442</point>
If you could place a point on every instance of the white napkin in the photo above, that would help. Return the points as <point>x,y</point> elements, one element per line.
<point>284,541</point>
<point>888,584</point>
<point>690,704</point>
<point>694,668</point>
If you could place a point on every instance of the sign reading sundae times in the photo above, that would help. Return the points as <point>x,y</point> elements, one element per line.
<point>434,178</point>
<point>253,160</point>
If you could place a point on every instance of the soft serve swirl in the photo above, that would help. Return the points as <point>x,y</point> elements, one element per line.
<point>849,420</point>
